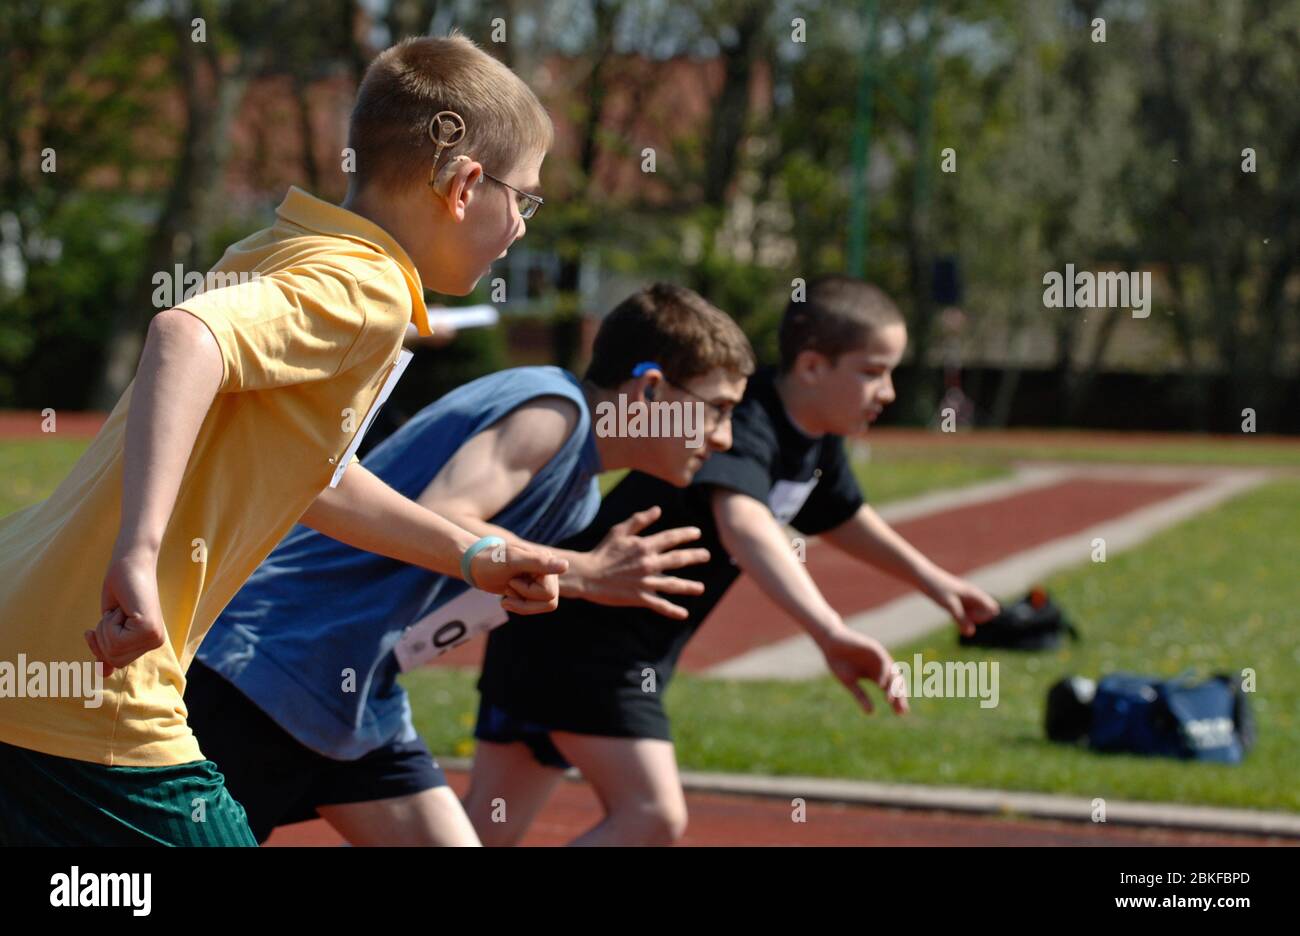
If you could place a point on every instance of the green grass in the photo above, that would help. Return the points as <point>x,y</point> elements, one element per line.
<point>1218,593</point>
<point>1176,450</point>
<point>891,478</point>
<point>30,469</point>
<point>443,704</point>
<point>894,478</point>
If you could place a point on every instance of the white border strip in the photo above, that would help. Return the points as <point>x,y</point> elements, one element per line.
<point>913,616</point>
<point>1004,803</point>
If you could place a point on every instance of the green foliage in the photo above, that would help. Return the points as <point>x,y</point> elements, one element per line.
<point>1123,154</point>
<point>80,80</point>
<point>52,330</point>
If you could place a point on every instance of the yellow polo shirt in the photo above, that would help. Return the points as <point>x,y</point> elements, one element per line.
<point>307,344</point>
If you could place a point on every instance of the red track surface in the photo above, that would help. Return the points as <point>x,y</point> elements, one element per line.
<point>717,819</point>
<point>20,424</point>
<point>959,540</point>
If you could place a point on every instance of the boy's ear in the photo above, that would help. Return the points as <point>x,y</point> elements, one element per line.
<point>809,364</point>
<point>455,185</point>
<point>643,387</point>
<point>649,382</point>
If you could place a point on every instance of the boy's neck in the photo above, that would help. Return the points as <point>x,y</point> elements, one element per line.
<point>615,451</point>
<point>381,213</point>
<point>799,404</point>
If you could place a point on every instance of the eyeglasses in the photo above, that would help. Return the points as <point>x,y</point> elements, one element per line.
<point>447,128</point>
<point>526,203</point>
<point>721,414</point>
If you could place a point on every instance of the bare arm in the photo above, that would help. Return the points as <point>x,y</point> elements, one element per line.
<point>493,467</point>
<point>366,513</point>
<point>178,378</point>
<point>179,375</point>
<point>761,548</point>
<point>759,545</point>
<point>867,537</point>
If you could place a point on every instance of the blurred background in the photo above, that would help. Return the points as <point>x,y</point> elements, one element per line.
<point>954,152</point>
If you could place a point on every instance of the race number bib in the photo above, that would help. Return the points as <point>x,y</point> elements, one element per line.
<point>450,625</point>
<point>403,358</point>
<point>788,497</point>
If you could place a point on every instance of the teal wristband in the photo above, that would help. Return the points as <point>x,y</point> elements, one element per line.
<point>473,551</point>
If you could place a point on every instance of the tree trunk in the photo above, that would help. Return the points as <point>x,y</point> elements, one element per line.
<point>731,109</point>
<point>188,209</point>
<point>310,168</point>
<point>1086,379</point>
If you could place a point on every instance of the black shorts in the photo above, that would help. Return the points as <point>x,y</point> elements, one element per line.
<point>578,708</point>
<point>497,725</point>
<point>279,780</point>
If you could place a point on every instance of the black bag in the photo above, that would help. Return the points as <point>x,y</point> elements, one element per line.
<point>1033,623</point>
<point>1069,709</point>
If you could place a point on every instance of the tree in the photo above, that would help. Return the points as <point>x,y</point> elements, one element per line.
<point>1213,85</point>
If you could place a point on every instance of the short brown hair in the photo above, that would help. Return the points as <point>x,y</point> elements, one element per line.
<point>838,314</point>
<point>673,327</point>
<point>406,85</point>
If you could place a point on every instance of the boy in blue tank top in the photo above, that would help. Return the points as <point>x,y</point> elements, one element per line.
<point>294,693</point>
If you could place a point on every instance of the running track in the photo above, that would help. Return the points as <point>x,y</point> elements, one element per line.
<point>959,539</point>
<point>718,819</point>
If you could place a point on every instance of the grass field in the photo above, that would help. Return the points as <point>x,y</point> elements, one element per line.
<point>902,464</point>
<point>1218,593</point>
<point>891,478</point>
<point>30,469</point>
<point>1067,445</point>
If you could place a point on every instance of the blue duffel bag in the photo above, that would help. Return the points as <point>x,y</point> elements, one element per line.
<point>1123,712</point>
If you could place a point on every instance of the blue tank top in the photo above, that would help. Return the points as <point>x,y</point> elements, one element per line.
<point>316,608</point>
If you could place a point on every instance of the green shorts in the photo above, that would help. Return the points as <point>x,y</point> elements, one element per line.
<point>48,800</point>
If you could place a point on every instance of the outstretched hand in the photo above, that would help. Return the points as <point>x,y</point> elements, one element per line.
<point>627,569</point>
<point>968,604</point>
<point>855,658</point>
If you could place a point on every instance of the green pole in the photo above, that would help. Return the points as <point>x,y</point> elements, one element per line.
<point>859,207</point>
<point>925,122</point>
<point>921,187</point>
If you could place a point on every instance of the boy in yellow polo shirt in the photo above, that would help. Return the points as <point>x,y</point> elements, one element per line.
<point>247,405</point>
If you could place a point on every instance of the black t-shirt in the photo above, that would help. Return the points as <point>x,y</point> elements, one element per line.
<point>548,668</point>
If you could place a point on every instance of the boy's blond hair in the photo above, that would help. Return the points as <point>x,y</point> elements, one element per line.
<point>408,84</point>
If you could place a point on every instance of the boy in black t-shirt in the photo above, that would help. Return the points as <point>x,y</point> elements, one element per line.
<point>586,689</point>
